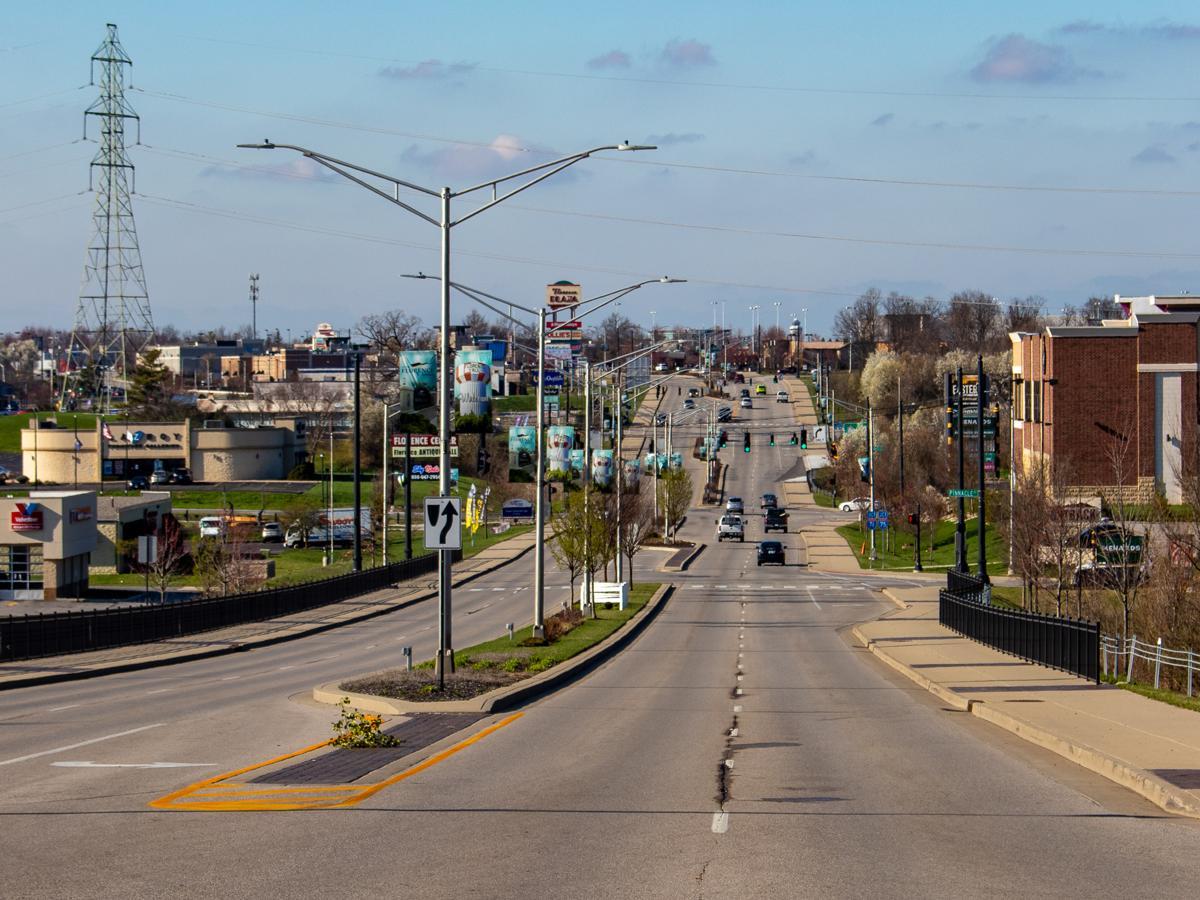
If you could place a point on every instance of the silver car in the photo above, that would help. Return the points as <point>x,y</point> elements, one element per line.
<point>735,505</point>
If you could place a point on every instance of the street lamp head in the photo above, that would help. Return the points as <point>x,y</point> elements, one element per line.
<point>666,279</point>
<point>265,145</point>
<point>419,275</point>
<point>625,145</point>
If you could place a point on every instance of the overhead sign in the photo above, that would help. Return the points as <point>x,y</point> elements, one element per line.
<point>424,446</point>
<point>443,523</point>
<point>27,517</point>
<point>562,294</point>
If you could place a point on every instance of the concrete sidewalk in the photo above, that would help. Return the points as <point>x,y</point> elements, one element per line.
<point>255,634</point>
<point>1149,747</point>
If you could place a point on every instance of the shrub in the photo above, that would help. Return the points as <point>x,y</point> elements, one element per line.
<point>561,623</point>
<point>359,729</point>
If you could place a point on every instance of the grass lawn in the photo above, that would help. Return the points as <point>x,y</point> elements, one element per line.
<point>515,403</point>
<point>343,495</point>
<point>497,653</point>
<point>823,499</point>
<point>942,557</point>
<point>10,426</point>
<point>1163,696</point>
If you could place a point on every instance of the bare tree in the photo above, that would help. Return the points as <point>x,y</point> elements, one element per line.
<point>393,331</point>
<point>860,324</point>
<point>1118,561</point>
<point>637,522</point>
<point>674,499</point>
<point>170,556</point>
<point>973,321</point>
<point>224,566</point>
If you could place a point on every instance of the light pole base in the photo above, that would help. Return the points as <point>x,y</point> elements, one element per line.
<point>538,632</point>
<point>450,659</point>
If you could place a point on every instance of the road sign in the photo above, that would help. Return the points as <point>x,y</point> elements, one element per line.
<point>424,446</point>
<point>147,549</point>
<point>964,492</point>
<point>443,523</point>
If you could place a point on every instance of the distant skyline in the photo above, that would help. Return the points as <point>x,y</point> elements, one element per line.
<point>807,152</point>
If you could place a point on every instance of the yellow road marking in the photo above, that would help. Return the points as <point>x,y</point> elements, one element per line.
<point>202,796</point>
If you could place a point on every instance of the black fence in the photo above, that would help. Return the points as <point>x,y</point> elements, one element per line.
<point>51,634</point>
<point>1070,645</point>
<point>967,587</point>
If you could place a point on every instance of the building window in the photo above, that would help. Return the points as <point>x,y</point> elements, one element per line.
<point>21,567</point>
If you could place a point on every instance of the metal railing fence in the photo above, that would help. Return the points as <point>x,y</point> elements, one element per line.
<point>1173,669</point>
<point>1070,645</point>
<point>51,634</point>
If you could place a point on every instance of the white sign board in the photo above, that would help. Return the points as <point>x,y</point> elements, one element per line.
<point>563,294</point>
<point>147,549</point>
<point>443,523</point>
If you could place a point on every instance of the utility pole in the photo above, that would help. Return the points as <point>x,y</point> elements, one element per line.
<point>254,305</point>
<point>619,466</point>
<point>871,474</point>
<point>960,530</point>
<point>983,401</point>
<point>585,478</point>
<point>387,491</point>
<point>357,464</point>
<point>408,496</point>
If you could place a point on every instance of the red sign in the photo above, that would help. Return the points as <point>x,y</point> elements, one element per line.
<point>27,517</point>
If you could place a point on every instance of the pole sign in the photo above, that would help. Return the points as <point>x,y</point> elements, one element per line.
<point>563,294</point>
<point>147,549</point>
<point>565,331</point>
<point>443,523</point>
<point>424,446</point>
<point>553,379</point>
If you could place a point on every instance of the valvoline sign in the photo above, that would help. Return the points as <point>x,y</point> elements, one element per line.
<point>27,517</point>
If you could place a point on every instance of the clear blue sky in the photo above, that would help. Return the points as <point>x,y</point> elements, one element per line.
<point>1031,95</point>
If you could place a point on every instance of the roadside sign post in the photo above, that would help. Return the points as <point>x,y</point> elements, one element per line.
<point>443,523</point>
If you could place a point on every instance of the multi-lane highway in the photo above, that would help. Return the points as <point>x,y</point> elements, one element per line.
<point>741,747</point>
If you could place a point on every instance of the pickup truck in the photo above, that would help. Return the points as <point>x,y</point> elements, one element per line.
<point>730,528</point>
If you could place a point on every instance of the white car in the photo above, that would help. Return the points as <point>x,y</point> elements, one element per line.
<point>746,403</point>
<point>210,527</point>
<point>731,528</point>
<point>858,504</point>
<point>781,396</point>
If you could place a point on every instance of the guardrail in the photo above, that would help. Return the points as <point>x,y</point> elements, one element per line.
<point>1070,645</point>
<point>1119,657</point>
<point>51,634</point>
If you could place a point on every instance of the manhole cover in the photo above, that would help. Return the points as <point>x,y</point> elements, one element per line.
<point>343,766</point>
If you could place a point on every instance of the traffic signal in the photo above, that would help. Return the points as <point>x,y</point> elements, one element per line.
<point>772,440</point>
<point>792,439</point>
<point>833,451</point>
<point>723,439</point>
<point>746,442</point>
<point>950,424</point>
<point>803,438</point>
<point>912,518</point>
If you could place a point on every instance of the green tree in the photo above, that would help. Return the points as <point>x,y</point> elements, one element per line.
<point>149,393</point>
<point>674,499</point>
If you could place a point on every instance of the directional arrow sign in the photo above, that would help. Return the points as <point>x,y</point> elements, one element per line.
<point>443,523</point>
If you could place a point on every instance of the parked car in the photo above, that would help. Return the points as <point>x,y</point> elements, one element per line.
<point>181,476</point>
<point>731,528</point>
<point>272,532</point>
<point>781,396</point>
<point>160,476</point>
<point>770,553</point>
<point>769,501</point>
<point>137,483</point>
<point>735,505</point>
<point>746,403</point>
<point>775,519</point>
<point>210,527</point>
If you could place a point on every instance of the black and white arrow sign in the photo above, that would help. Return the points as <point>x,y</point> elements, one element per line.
<point>443,523</point>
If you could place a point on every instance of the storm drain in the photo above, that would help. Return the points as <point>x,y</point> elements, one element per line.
<point>343,766</point>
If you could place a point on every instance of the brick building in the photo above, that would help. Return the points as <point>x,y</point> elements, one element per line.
<point>1114,404</point>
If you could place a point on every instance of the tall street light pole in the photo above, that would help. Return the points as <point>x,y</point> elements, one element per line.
<point>532,175</point>
<point>593,304</point>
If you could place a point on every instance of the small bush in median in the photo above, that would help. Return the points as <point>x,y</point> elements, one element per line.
<point>356,729</point>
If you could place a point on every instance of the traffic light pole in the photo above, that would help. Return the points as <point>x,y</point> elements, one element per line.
<point>983,405</point>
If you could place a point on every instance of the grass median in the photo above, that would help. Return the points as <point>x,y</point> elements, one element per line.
<point>898,554</point>
<point>496,663</point>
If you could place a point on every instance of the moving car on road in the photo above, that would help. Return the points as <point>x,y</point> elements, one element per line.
<point>781,396</point>
<point>760,390</point>
<point>660,419</point>
<point>746,403</point>
<point>770,553</point>
<point>693,392</point>
<point>724,414</point>
<point>769,501</point>
<point>775,519</point>
<point>731,528</point>
<point>735,505</point>
<point>689,403</point>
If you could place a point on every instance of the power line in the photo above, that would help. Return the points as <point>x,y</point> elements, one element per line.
<point>697,167</point>
<point>41,149</point>
<point>42,96</point>
<point>727,85</point>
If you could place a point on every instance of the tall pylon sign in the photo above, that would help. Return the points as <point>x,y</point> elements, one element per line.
<point>112,318</point>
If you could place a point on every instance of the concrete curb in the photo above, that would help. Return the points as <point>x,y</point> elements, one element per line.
<point>902,604</point>
<point>153,662</point>
<point>517,694</point>
<point>679,567</point>
<point>1150,786</point>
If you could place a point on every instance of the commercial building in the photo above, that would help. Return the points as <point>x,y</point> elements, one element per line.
<point>45,543</point>
<point>1111,409</point>
<point>116,448</point>
<point>203,361</point>
<point>120,521</point>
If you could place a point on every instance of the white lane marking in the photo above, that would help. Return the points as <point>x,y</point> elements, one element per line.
<point>739,678</point>
<point>370,646</point>
<point>518,590</point>
<point>737,709</point>
<point>813,599</point>
<point>88,764</point>
<point>159,691</point>
<point>61,708</point>
<point>729,763</point>
<point>739,692</point>
<point>740,655</point>
<point>107,737</point>
<point>236,677</point>
<point>720,822</point>
<point>733,732</point>
<point>474,590</point>
<point>284,668</point>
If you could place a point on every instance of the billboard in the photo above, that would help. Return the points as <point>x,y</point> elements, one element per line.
<point>522,453</point>
<point>423,446</point>
<point>559,352</point>
<point>602,467</point>
<point>473,382</point>
<point>560,439</point>
<point>418,370</point>
<point>562,294</point>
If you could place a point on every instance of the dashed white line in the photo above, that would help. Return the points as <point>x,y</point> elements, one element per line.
<point>235,677</point>
<point>159,691</point>
<point>61,708</point>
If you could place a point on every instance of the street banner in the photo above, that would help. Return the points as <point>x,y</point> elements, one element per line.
<point>602,467</point>
<point>560,439</point>
<point>473,382</point>
<point>576,458</point>
<point>522,453</point>
<point>418,371</point>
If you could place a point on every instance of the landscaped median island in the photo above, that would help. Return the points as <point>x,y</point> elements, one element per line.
<point>503,662</point>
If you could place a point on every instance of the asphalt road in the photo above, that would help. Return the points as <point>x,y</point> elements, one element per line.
<point>741,747</point>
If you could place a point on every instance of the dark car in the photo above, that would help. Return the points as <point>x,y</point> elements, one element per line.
<point>769,501</point>
<point>775,519</point>
<point>137,483</point>
<point>181,476</point>
<point>724,414</point>
<point>770,552</point>
<point>660,419</point>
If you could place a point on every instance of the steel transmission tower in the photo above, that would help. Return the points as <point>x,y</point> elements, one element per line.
<point>112,318</point>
